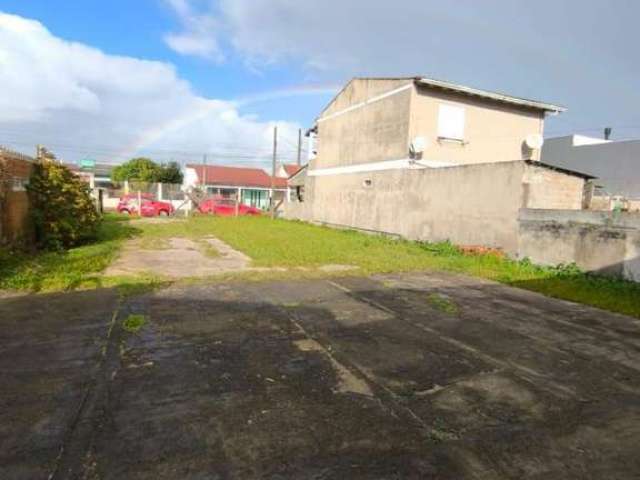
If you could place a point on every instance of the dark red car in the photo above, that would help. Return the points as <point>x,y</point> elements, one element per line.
<point>150,207</point>
<point>226,207</point>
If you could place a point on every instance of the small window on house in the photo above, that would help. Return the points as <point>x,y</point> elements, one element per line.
<point>451,122</point>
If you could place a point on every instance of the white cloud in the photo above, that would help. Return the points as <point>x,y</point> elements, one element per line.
<point>545,49</point>
<point>83,102</point>
<point>199,32</point>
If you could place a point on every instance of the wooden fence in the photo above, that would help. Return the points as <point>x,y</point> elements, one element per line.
<point>15,169</point>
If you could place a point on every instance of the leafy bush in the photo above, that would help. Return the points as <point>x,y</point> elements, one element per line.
<point>62,211</point>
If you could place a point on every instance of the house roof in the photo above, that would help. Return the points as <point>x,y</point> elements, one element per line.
<point>236,176</point>
<point>291,168</point>
<point>500,97</point>
<point>298,178</point>
<point>470,91</point>
<point>575,173</point>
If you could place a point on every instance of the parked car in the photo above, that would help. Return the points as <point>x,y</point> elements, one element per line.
<point>150,207</point>
<point>226,207</point>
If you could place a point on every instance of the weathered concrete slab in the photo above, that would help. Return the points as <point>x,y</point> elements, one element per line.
<point>343,378</point>
<point>182,258</point>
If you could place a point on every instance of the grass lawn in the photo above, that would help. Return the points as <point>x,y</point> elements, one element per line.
<point>282,243</point>
<point>75,268</point>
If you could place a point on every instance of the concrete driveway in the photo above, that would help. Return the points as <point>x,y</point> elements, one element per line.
<point>404,376</point>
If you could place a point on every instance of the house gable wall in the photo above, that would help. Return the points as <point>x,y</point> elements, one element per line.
<point>493,131</point>
<point>383,129</point>
<point>375,132</point>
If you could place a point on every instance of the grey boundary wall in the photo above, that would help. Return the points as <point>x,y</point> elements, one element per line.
<point>602,242</point>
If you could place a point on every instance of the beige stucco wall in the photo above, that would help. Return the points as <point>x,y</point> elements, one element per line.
<point>545,188</point>
<point>361,89</point>
<point>470,204</point>
<point>493,131</point>
<point>475,204</point>
<point>375,132</point>
<point>383,129</point>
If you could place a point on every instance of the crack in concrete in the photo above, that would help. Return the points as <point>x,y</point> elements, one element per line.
<point>389,400</point>
<point>78,440</point>
<point>525,373</point>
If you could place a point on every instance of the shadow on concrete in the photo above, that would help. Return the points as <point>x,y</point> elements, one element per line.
<point>206,389</point>
<point>464,378</point>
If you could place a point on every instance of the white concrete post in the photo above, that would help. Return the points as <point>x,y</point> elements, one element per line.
<point>160,191</point>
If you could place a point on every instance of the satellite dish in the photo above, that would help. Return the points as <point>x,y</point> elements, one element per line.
<point>534,141</point>
<point>418,144</point>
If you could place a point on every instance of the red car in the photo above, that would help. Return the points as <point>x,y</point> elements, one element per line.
<point>149,208</point>
<point>226,207</point>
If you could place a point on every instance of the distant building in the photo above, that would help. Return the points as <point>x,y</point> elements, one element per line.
<point>252,185</point>
<point>97,175</point>
<point>615,163</point>
<point>286,170</point>
<point>430,160</point>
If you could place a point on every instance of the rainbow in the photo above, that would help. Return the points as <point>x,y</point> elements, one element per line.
<point>205,107</point>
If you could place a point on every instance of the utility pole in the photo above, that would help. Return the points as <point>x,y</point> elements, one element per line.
<point>273,170</point>
<point>204,172</point>
<point>299,145</point>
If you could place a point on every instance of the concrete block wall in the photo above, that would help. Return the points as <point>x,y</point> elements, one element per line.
<point>545,188</point>
<point>602,242</point>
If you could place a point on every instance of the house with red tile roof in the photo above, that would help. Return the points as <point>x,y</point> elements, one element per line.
<point>287,170</point>
<point>252,185</point>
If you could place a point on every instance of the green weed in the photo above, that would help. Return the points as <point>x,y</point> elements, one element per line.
<point>133,323</point>
<point>442,303</point>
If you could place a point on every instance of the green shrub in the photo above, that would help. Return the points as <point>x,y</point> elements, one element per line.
<point>62,211</point>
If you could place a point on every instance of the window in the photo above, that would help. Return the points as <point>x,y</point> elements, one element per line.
<point>451,122</point>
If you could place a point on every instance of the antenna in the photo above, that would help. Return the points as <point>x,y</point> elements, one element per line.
<point>417,146</point>
<point>534,141</point>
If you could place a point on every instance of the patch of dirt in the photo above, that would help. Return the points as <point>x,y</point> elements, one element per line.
<point>181,258</point>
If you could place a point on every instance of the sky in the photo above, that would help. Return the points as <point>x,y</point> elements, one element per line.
<point>178,79</point>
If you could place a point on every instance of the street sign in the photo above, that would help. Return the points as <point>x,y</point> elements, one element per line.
<point>87,163</point>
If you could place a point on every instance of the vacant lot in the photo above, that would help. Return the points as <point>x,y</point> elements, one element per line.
<point>281,249</point>
<point>392,376</point>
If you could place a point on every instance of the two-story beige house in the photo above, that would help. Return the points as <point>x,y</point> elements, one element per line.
<point>432,160</point>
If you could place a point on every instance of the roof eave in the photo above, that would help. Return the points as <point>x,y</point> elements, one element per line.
<point>500,97</point>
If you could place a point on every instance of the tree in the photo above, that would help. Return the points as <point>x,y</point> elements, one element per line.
<point>170,173</point>
<point>143,169</point>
